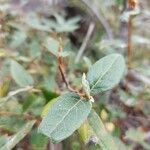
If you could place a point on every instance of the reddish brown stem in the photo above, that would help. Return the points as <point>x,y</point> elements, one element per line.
<point>62,72</point>
<point>131,5</point>
<point>129,45</point>
<point>61,67</point>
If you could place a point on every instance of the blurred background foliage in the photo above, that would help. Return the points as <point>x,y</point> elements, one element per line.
<point>30,32</point>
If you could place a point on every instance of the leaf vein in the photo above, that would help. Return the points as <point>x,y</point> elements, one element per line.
<point>104,74</point>
<point>65,116</point>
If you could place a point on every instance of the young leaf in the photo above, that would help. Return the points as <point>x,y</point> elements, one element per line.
<point>62,25</point>
<point>85,85</point>
<point>104,138</point>
<point>18,136</point>
<point>20,75</point>
<point>106,73</point>
<point>52,46</point>
<point>35,22</point>
<point>64,117</point>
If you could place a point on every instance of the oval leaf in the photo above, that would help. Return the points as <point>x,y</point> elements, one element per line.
<point>20,75</point>
<point>15,139</point>
<point>106,73</point>
<point>52,46</point>
<point>64,117</point>
<point>105,140</point>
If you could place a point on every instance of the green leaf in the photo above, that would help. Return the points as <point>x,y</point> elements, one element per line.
<point>47,107</point>
<point>18,136</point>
<point>37,141</point>
<point>48,95</point>
<point>38,23</point>
<point>106,73</point>
<point>85,85</point>
<point>85,132</point>
<point>104,138</point>
<point>18,38</point>
<point>29,100</point>
<point>34,48</point>
<point>3,139</point>
<point>121,145</point>
<point>65,116</point>
<point>135,135</point>
<point>128,99</point>
<point>4,7</point>
<point>4,87</point>
<point>63,25</point>
<point>53,45</point>
<point>20,75</point>
<point>127,14</point>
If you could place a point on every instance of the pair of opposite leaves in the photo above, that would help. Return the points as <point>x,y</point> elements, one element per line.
<point>69,111</point>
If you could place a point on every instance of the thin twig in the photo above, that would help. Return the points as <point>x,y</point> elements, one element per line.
<point>61,66</point>
<point>135,75</point>
<point>131,5</point>
<point>85,42</point>
<point>11,114</point>
<point>31,62</point>
<point>129,45</point>
<point>13,93</point>
<point>61,69</point>
<point>101,19</point>
<point>62,72</point>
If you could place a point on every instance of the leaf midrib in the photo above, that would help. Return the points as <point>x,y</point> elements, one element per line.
<point>104,73</point>
<point>65,116</point>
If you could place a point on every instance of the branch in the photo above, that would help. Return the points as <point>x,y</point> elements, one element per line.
<point>129,44</point>
<point>13,93</point>
<point>10,114</point>
<point>135,75</point>
<point>62,72</point>
<point>131,6</point>
<point>101,19</point>
<point>61,68</point>
<point>85,42</point>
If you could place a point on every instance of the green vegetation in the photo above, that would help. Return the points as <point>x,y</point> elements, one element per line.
<point>74,75</point>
